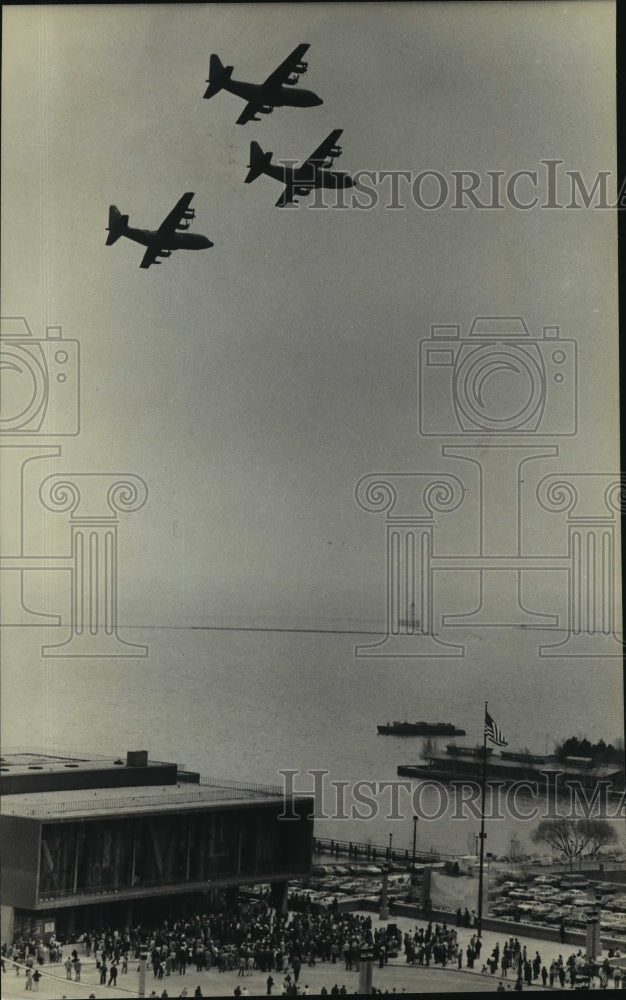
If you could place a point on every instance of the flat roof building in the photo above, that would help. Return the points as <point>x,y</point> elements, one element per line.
<point>89,842</point>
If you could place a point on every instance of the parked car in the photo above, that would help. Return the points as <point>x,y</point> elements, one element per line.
<point>617,904</point>
<point>558,914</point>
<point>503,909</point>
<point>331,882</point>
<point>602,888</point>
<point>553,880</point>
<point>322,870</point>
<point>617,925</point>
<point>353,886</point>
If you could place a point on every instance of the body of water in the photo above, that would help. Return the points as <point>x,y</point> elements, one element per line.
<point>248,705</point>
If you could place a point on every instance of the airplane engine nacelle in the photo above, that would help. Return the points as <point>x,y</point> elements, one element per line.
<point>291,81</point>
<point>164,253</point>
<point>189,213</point>
<point>183,226</point>
<point>301,190</point>
<point>266,109</point>
<point>335,151</point>
<point>301,67</point>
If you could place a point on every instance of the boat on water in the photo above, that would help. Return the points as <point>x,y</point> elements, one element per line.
<point>420,729</point>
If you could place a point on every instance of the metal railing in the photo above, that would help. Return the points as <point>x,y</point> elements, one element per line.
<point>375,852</point>
<point>248,786</point>
<point>48,753</point>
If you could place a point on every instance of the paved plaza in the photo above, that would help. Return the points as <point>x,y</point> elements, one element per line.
<point>396,976</point>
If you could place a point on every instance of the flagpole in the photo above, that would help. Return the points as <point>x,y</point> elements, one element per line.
<point>482,828</point>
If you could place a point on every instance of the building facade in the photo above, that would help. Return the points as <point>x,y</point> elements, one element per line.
<point>90,843</point>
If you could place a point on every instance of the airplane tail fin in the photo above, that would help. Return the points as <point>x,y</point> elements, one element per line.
<point>117,225</point>
<point>259,161</point>
<point>218,76</point>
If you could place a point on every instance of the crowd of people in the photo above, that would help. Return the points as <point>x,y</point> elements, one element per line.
<point>252,937</point>
<point>249,937</point>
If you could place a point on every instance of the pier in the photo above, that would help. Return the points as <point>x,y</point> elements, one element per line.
<point>367,852</point>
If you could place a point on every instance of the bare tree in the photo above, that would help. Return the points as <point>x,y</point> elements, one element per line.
<point>575,837</point>
<point>600,834</point>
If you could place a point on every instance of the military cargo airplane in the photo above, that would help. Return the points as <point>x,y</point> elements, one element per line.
<point>313,173</point>
<point>262,98</point>
<point>171,235</point>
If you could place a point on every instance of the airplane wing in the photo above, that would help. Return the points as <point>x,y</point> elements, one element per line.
<point>286,197</point>
<point>150,257</point>
<point>178,218</point>
<point>287,68</point>
<point>326,149</point>
<point>179,212</point>
<point>248,113</point>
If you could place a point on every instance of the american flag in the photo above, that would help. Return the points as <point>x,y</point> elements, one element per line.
<point>493,733</point>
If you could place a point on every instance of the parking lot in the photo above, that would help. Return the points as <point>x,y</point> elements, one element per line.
<point>556,899</point>
<point>549,898</point>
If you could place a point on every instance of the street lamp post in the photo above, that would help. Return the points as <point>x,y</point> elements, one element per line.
<point>594,945</point>
<point>384,904</point>
<point>479,922</point>
<point>415,819</point>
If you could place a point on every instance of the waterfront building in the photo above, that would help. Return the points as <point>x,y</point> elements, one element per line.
<point>90,842</point>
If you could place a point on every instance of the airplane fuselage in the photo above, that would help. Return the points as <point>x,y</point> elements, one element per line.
<point>169,241</point>
<point>277,96</point>
<point>308,176</point>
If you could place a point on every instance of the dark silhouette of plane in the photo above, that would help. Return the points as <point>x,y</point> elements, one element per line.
<point>313,173</point>
<point>262,98</point>
<point>171,235</point>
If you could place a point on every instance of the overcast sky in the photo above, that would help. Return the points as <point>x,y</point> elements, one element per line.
<point>253,384</point>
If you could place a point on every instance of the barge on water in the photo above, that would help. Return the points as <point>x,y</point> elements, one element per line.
<point>420,729</point>
<point>460,764</point>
